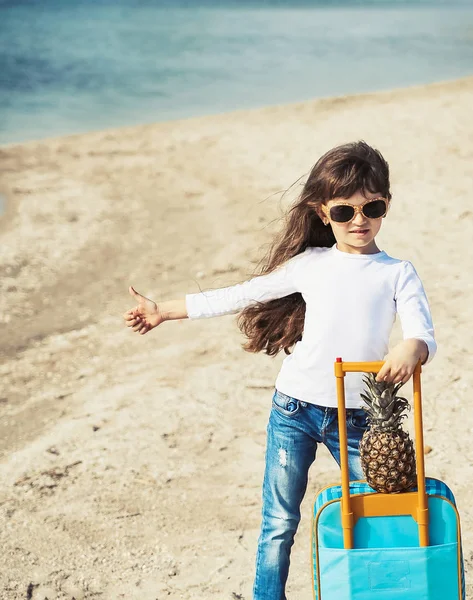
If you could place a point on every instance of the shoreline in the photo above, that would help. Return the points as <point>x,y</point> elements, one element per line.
<point>10,205</point>
<point>109,440</point>
<point>288,105</point>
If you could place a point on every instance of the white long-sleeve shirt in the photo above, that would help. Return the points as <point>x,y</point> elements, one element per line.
<point>351,305</point>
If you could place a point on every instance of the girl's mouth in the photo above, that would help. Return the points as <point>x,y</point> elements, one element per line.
<point>360,231</point>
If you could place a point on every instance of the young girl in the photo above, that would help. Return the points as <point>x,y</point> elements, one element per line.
<point>326,290</point>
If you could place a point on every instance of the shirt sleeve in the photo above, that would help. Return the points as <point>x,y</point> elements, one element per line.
<point>277,284</point>
<point>413,309</point>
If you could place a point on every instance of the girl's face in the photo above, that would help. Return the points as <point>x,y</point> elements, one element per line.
<point>358,235</point>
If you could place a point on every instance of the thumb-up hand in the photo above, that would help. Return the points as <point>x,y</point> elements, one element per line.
<point>145,316</point>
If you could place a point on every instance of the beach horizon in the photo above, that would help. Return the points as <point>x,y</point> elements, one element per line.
<point>131,466</point>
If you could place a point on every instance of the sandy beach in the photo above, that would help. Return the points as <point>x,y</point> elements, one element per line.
<point>131,466</point>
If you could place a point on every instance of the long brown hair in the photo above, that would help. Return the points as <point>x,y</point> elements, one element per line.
<point>341,172</point>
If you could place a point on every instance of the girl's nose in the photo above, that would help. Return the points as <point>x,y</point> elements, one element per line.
<point>359,219</point>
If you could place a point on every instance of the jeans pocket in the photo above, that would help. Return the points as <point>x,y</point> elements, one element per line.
<point>357,419</point>
<point>286,405</point>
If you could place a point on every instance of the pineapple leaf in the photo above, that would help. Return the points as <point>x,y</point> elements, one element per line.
<point>397,387</point>
<point>385,410</point>
<point>367,399</point>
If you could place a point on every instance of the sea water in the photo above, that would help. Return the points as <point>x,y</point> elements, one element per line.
<point>69,66</point>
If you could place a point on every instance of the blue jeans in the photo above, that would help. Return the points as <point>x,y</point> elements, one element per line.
<point>294,430</point>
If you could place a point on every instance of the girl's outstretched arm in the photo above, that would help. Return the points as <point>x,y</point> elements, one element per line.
<point>147,314</point>
<point>212,303</point>
<point>283,281</point>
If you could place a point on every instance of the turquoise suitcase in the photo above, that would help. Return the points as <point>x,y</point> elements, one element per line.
<point>368,549</point>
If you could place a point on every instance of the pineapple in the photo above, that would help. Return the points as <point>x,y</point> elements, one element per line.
<point>386,450</point>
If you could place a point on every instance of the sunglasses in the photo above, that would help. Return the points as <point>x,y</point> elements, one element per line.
<point>345,212</point>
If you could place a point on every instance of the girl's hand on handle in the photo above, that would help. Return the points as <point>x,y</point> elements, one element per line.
<point>145,316</point>
<point>401,361</point>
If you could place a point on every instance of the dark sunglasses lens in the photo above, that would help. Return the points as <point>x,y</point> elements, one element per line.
<point>375,209</point>
<point>342,213</point>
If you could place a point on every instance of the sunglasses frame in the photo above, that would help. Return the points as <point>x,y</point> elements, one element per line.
<point>356,209</point>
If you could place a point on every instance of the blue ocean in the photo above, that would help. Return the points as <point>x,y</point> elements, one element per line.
<point>70,66</point>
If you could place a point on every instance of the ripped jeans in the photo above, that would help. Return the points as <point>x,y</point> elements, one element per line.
<point>294,430</point>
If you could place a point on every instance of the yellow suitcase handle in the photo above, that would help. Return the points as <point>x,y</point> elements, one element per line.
<point>413,503</point>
